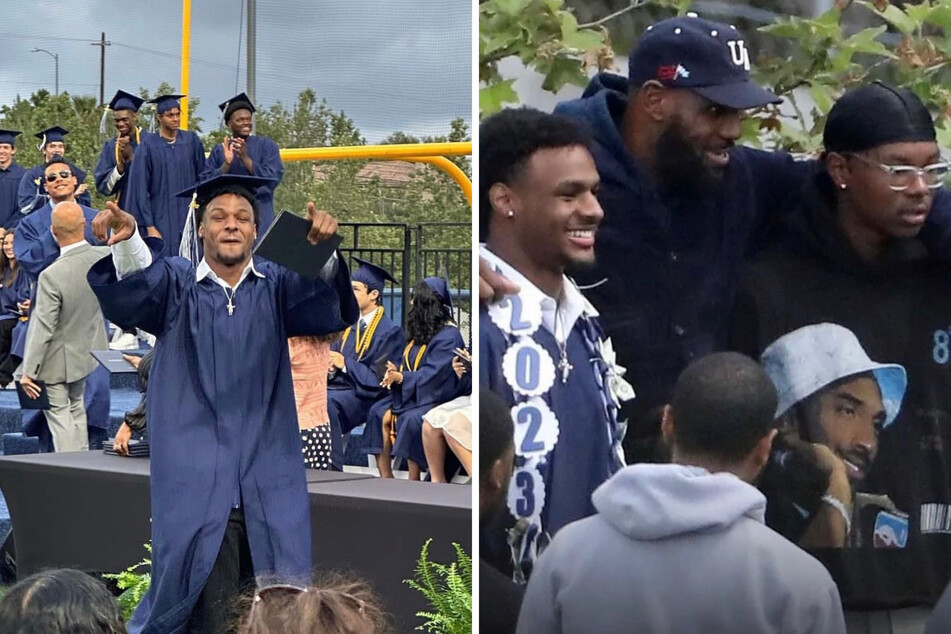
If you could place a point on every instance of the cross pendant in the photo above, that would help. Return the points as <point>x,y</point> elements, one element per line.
<point>565,368</point>
<point>230,308</point>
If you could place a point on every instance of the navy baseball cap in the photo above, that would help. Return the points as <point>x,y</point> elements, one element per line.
<point>707,57</point>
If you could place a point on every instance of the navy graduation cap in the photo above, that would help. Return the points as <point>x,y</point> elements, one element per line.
<point>126,101</point>
<point>441,288</point>
<point>207,189</point>
<point>373,275</point>
<point>166,102</point>
<point>238,102</point>
<point>8,136</point>
<point>50,135</point>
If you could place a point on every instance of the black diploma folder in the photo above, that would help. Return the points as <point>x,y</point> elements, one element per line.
<point>285,243</point>
<point>40,402</point>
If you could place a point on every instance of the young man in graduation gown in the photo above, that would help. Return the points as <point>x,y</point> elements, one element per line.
<point>165,164</point>
<point>542,349</point>
<point>11,173</point>
<point>354,383</point>
<point>115,159</point>
<point>32,193</point>
<point>36,248</point>
<point>228,487</point>
<point>853,254</point>
<point>244,153</point>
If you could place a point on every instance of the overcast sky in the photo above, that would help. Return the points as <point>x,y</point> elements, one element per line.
<point>389,64</point>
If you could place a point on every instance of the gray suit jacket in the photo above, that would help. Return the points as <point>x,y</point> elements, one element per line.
<point>66,324</point>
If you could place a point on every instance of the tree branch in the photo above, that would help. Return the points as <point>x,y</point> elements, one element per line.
<point>634,5</point>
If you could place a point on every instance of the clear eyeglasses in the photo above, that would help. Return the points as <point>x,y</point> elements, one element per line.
<point>901,177</point>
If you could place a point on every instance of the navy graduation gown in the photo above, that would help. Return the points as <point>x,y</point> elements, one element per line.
<point>350,394</point>
<point>432,383</point>
<point>107,163</point>
<point>9,186</point>
<point>222,418</point>
<point>161,170</point>
<point>31,193</point>
<point>35,247</point>
<point>266,160</point>
<point>13,293</point>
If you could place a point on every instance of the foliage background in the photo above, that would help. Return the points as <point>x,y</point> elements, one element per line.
<point>809,61</point>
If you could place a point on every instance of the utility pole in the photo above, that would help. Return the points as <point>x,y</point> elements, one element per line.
<point>102,44</point>
<point>252,38</point>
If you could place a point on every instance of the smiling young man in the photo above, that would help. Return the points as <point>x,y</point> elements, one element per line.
<point>542,349</point>
<point>228,487</point>
<point>10,175</point>
<point>165,163</point>
<point>851,254</point>
<point>115,159</point>
<point>32,193</point>
<point>244,153</point>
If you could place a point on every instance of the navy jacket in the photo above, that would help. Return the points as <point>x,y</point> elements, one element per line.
<point>667,269</point>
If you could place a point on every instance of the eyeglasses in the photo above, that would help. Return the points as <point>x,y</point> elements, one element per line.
<point>901,177</point>
<point>53,176</point>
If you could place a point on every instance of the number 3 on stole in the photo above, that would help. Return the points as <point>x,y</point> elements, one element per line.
<point>525,507</point>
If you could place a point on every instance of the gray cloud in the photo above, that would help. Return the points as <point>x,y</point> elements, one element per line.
<point>389,64</point>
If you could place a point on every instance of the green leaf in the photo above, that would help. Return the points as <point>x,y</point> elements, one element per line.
<point>493,97</point>
<point>511,7</point>
<point>569,24</point>
<point>564,71</point>
<point>940,16</point>
<point>894,16</point>
<point>823,96</point>
<point>585,40</point>
<point>791,28</point>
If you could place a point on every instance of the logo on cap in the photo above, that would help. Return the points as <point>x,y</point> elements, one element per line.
<point>671,73</point>
<point>739,54</point>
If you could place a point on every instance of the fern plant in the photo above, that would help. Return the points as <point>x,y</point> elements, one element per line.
<point>448,588</point>
<point>133,584</point>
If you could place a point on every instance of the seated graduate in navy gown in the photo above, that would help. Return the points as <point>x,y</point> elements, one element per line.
<point>228,487</point>
<point>353,385</point>
<point>165,163</point>
<point>11,173</point>
<point>244,153</point>
<point>32,193</point>
<point>14,304</point>
<point>423,379</point>
<point>115,159</point>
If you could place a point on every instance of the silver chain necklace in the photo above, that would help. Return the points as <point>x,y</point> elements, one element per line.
<point>230,299</point>
<point>563,366</point>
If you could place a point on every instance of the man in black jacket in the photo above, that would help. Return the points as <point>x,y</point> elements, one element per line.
<point>851,256</point>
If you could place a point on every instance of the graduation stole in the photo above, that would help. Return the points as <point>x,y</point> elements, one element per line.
<point>410,367</point>
<point>363,342</point>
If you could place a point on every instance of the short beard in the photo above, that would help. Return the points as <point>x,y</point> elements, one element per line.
<point>232,260</point>
<point>680,169</point>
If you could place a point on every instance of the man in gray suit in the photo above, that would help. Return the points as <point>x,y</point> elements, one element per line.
<point>66,325</point>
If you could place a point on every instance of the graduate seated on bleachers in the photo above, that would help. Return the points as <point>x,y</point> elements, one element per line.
<point>353,384</point>
<point>450,424</point>
<point>423,380</point>
<point>14,305</point>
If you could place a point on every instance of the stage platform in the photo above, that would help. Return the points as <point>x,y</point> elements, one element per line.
<point>90,511</point>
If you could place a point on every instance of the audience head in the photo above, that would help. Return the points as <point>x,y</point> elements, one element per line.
<point>60,602</point>
<point>337,607</point>
<point>496,452</point>
<point>721,416</point>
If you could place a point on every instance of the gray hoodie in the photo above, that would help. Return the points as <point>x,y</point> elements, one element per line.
<point>677,550</point>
